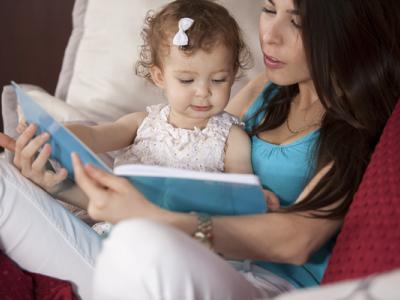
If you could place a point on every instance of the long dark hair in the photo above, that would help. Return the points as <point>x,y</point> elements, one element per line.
<point>353,55</point>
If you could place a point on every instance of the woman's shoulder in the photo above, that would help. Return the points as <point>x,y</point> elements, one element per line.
<point>241,102</point>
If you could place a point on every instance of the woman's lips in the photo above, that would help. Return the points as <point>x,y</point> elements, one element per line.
<point>272,62</point>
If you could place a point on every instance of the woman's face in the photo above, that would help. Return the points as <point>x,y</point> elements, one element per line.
<point>281,43</point>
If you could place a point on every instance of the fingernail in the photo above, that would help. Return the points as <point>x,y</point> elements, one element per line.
<point>45,135</point>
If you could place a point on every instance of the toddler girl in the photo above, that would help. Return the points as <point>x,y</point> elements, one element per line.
<point>193,51</point>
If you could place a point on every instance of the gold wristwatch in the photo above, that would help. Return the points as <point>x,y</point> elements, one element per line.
<point>204,232</point>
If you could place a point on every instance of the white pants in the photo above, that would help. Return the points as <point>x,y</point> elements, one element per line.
<point>147,260</point>
<point>140,260</point>
<point>41,235</point>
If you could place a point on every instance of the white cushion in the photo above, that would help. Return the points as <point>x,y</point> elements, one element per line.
<point>99,78</point>
<point>380,286</point>
<point>61,111</point>
<point>58,109</point>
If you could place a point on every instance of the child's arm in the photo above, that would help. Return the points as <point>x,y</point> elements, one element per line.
<point>238,152</point>
<point>111,136</point>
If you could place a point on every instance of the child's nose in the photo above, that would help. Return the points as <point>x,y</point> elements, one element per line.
<point>203,90</point>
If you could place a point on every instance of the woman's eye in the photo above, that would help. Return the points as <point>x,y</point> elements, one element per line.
<point>296,24</point>
<point>268,11</point>
<point>185,81</point>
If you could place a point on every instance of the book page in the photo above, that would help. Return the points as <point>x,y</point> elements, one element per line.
<point>157,171</point>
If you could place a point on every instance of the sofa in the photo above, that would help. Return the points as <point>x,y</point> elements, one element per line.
<point>97,84</point>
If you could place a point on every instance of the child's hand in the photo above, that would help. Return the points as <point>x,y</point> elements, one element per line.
<point>272,201</point>
<point>112,198</point>
<point>22,125</point>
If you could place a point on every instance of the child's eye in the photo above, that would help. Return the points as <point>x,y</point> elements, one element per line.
<point>268,11</point>
<point>185,81</point>
<point>219,80</point>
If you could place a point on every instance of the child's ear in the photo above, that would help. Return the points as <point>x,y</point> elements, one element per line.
<point>157,76</point>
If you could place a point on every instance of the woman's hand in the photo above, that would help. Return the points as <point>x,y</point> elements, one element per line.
<point>272,201</point>
<point>112,198</point>
<point>33,165</point>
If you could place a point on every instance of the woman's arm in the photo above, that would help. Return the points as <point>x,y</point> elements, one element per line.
<point>275,237</point>
<point>241,102</point>
<point>110,136</point>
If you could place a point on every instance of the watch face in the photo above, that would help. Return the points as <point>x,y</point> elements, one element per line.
<point>203,231</point>
<point>203,239</point>
<point>199,235</point>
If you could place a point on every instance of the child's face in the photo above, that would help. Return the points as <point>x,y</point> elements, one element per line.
<point>196,86</point>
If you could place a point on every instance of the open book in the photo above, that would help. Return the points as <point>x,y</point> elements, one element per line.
<point>174,189</point>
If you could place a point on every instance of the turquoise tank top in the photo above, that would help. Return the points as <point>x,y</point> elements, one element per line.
<point>285,170</point>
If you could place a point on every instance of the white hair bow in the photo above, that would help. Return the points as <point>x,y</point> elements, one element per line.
<point>181,38</point>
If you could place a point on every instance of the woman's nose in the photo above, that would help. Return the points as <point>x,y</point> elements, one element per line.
<point>271,33</point>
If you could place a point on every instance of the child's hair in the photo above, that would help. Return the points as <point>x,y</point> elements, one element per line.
<point>213,25</point>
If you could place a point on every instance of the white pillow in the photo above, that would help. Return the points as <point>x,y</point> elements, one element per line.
<point>98,71</point>
<point>379,286</point>
<point>58,109</point>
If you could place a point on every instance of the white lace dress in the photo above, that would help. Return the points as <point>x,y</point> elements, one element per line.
<point>159,143</point>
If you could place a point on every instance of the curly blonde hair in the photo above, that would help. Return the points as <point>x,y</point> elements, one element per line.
<point>213,25</point>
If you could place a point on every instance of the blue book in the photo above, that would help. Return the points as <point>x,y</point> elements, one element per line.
<point>170,188</point>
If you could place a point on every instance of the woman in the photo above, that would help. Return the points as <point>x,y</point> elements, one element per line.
<point>332,79</point>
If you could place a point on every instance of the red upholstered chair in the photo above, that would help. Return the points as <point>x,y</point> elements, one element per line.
<point>369,241</point>
<point>18,284</point>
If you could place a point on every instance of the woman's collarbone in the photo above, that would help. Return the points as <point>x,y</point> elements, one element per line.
<point>282,136</point>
